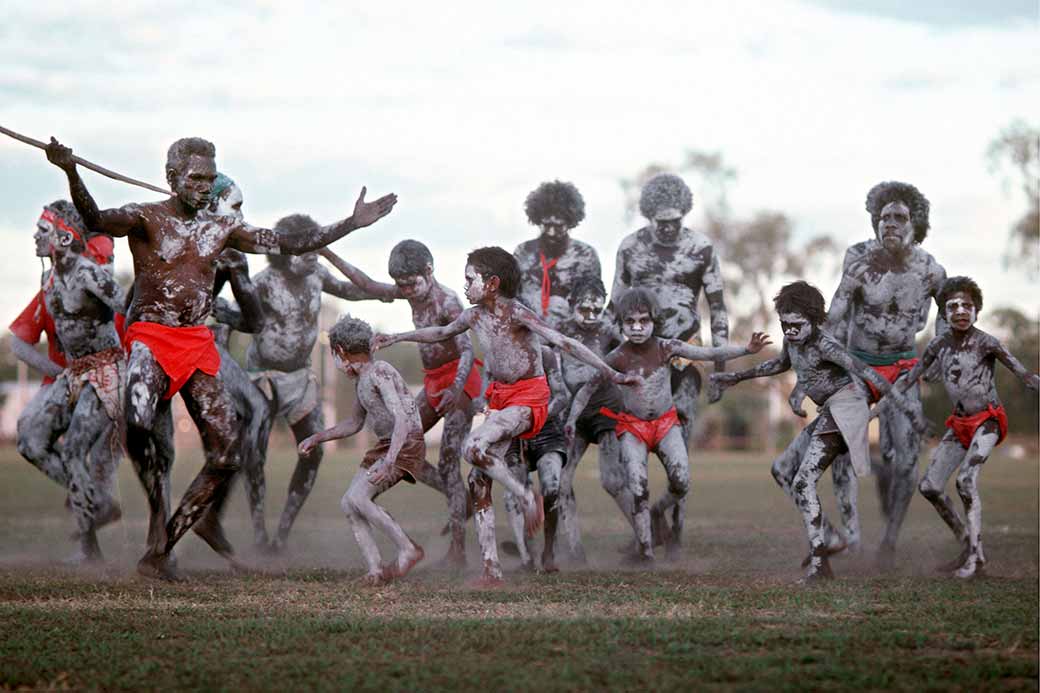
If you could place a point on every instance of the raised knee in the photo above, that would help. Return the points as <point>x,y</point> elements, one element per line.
<point>679,487</point>
<point>928,489</point>
<point>30,448</point>
<point>472,453</point>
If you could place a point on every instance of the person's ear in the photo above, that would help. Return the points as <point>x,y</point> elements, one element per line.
<point>492,283</point>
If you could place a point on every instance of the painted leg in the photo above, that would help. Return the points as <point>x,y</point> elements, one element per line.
<point>550,468</point>
<point>673,455</point>
<point>634,458</point>
<point>361,497</point>
<point>784,470</point>
<point>613,477</point>
<point>569,532</point>
<point>846,489</point>
<point>40,424</point>
<point>456,428</point>
<point>303,478</point>
<point>900,446</point>
<point>484,519</point>
<point>822,450</point>
<point>89,422</point>
<point>104,460</point>
<point>520,546</point>
<point>363,535</point>
<point>982,445</point>
<point>946,458</point>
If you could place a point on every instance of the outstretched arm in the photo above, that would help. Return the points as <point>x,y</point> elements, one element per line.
<point>713,288</point>
<point>1030,380</point>
<point>464,345</point>
<point>344,429</point>
<point>574,348</point>
<point>921,367</point>
<point>25,352</point>
<point>102,285</point>
<point>273,242</point>
<point>115,222</point>
<point>721,381</point>
<point>718,353</point>
<point>348,291</point>
<point>369,287</point>
<point>425,335</point>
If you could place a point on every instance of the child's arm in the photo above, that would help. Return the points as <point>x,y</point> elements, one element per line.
<point>721,381</point>
<point>450,395</point>
<point>693,352</point>
<point>557,385</point>
<point>796,398</point>
<point>392,401</point>
<point>1030,380</point>
<point>426,335</point>
<point>344,429</point>
<point>575,349</point>
<point>578,404</point>
<point>834,353</point>
<point>367,286</point>
<point>923,364</point>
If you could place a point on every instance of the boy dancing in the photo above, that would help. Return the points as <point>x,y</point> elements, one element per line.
<point>518,396</point>
<point>648,419</point>
<point>966,357</point>
<point>450,381</point>
<point>383,401</point>
<point>830,377</point>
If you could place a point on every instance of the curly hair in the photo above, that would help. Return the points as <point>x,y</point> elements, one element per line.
<point>665,191</point>
<point>180,150</point>
<point>352,336</point>
<point>493,261</point>
<point>955,284</point>
<point>893,191</point>
<point>637,300</point>
<point>803,298</point>
<point>408,259</point>
<point>587,285</point>
<point>555,199</point>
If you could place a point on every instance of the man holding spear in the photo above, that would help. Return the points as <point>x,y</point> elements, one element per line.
<point>175,245</point>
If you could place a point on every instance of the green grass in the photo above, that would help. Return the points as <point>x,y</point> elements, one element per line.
<point>727,615</point>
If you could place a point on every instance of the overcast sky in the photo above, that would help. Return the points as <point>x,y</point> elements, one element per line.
<point>463,108</point>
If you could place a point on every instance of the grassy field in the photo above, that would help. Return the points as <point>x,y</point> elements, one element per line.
<point>727,615</point>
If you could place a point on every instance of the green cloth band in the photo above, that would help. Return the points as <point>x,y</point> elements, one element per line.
<point>882,359</point>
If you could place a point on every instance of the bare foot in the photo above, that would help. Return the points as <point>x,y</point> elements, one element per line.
<point>534,515</point>
<point>157,567</point>
<point>549,563</point>
<point>829,550</point>
<point>821,574</point>
<point>373,579</point>
<point>488,581</point>
<point>660,532</point>
<point>209,529</point>
<point>407,560</point>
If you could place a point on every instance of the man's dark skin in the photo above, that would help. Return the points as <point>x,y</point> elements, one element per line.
<point>175,245</point>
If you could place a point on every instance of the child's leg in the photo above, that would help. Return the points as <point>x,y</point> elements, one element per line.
<point>570,529</point>
<point>982,445</point>
<point>360,499</point>
<point>784,469</point>
<point>550,467</point>
<point>634,458</point>
<point>514,505</point>
<point>846,490</point>
<point>946,457</point>
<point>456,428</point>
<point>822,450</point>
<point>673,455</point>
<point>362,529</point>
<point>612,476</point>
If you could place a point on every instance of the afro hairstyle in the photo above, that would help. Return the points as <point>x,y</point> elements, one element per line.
<point>893,191</point>
<point>955,284</point>
<point>408,259</point>
<point>665,191</point>
<point>588,285</point>
<point>180,150</point>
<point>803,298</point>
<point>637,300</point>
<point>493,261</point>
<point>555,199</point>
<point>352,336</point>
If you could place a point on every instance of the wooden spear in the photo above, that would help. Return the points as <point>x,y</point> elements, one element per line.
<point>86,164</point>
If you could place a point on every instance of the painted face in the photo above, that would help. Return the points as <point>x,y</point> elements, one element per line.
<point>960,311</point>
<point>42,237</point>
<point>894,230</point>
<point>302,265</point>
<point>588,310</point>
<point>194,183</point>
<point>349,364</point>
<point>475,288</point>
<point>637,326</point>
<point>666,228</point>
<point>229,204</point>
<point>555,234</point>
<point>796,327</point>
<point>414,286</point>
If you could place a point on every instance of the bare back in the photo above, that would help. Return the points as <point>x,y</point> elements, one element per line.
<point>441,308</point>
<point>379,414</point>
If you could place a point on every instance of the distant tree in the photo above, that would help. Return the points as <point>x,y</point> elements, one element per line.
<point>1018,147</point>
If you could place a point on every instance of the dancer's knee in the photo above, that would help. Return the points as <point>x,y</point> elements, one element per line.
<point>929,489</point>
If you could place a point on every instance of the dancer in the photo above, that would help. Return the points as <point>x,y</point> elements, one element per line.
<point>383,401</point>
<point>676,265</point>
<point>647,420</point>
<point>175,244</point>
<point>450,382</point>
<point>829,376</point>
<point>518,397</point>
<point>966,356</point>
<point>880,306</point>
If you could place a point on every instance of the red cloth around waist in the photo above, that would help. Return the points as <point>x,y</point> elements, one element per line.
<point>650,432</point>
<point>180,351</point>
<point>964,427</point>
<point>532,393</point>
<point>890,373</point>
<point>443,376</point>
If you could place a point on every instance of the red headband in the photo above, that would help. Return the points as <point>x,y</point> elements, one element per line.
<point>98,248</point>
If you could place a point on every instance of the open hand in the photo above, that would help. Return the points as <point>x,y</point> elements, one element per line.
<point>366,213</point>
<point>449,399</point>
<point>61,156</point>
<point>379,474</point>
<point>717,384</point>
<point>758,341</point>
<point>381,341</point>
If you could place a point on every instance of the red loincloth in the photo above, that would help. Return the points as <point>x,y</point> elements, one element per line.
<point>890,373</point>
<point>180,351</point>
<point>34,321</point>
<point>532,393</point>
<point>650,432</point>
<point>964,427</point>
<point>442,377</point>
